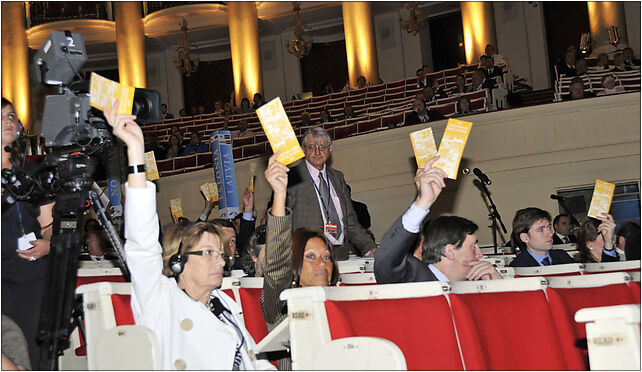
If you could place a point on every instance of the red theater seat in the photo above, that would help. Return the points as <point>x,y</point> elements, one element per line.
<point>185,162</point>
<point>165,165</point>
<point>252,312</point>
<point>635,291</point>
<point>507,331</point>
<point>421,327</point>
<point>204,158</point>
<point>369,125</point>
<point>254,149</point>
<point>345,130</point>
<point>95,279</point>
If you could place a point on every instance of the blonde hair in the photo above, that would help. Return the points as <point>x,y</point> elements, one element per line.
<point>172,239</point>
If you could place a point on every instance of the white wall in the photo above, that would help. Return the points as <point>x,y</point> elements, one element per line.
<point>398,53</point>
<point>632,17</point>
<point>521,39</point>
<point>174,81</point>
<point>281,70</point>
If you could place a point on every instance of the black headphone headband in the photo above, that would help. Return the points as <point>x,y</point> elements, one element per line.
<point>177,261</point>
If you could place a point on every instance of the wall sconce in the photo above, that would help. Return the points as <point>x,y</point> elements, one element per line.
<point>614,36</point>
<point>586,43</point>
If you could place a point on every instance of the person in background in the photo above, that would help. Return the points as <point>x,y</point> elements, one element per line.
<point>325,116</point>
<point>480,81</point>
<point>233,254</point>
<point>201,109</point>
<point>255,252</point>
<point>164,114</point>
<point>348,111</point>
<point>361,82</point>
<point>245,107</point>
<point>243,130</point>
<point>580,67</point>
<point>595,240</point>
<point>498,59</point>
<point>567,66</point>
<point>218,108</point>
<point>576,90</point>
<point>619,65</point>
<point>461,86</point>
<point>629,60</point>
<point>562,227</point>
<point>608,82</point>
<point>628,240</point>
<point>174,148</point>
<point>182,113</point>
<point>258,101</point>
<point>195,146</point>
<point>602,63</point>
<point>464,107</point>
<point>159,152</point>
<point>327,89</point>
<point>305,119</point>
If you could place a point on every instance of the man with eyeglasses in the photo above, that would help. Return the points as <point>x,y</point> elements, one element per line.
<point>533,234</point>
<point>319,198</point>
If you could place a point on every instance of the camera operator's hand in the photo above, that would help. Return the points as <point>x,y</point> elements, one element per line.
<point>40,249</point>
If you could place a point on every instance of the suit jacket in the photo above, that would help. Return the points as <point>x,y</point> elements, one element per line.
<point>557,240</point>
<point>558,257</point>
<point>495,71</point>
<point>302,200</point>
<point>393,263</point>
<point>413,117</point>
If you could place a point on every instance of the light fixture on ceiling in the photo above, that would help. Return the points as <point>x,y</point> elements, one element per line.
<point>185,63</point>
<point>586,43</point>
<point>298,46</point>
<point>415,22</point>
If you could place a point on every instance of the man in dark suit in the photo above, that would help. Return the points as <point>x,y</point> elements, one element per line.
<point>489,64</point>
<point>419,114</point>
<point>164,114</point>
<point>533,233</point>
<point>449,248</point>
<point>319,198</point>
<point>562,226</point>
<point>481,81</point>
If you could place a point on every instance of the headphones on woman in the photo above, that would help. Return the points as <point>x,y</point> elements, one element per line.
<point>177,261</point>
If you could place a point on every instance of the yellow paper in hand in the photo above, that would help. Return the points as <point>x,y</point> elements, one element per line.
<point>602,196</point>
<point>151,170</point>
<point>205,189</point>
<point>213,191</point>
<point>452,146</point>
<point>176,208</point>
<point>103,92</point>
<point>279,132</point>
<point>251,181</point>
<point>423,143</point>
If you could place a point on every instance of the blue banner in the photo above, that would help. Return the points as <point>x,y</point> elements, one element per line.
<point>223,163</point>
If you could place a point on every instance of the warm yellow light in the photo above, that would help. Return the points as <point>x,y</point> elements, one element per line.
<point>130,43</point>
<point>15,60</point>
<point>244,45</point>
<point>602,15</point>
<point>479,28</point>
<point>361,54</point>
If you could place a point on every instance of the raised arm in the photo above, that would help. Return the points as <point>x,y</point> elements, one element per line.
<point>277,267</point>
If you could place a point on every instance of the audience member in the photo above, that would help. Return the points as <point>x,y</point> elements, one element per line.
<point>301,258</point>
<point>608,82</point>
<point>464,107</point>
<point>245,107</point>
<point>319,198</point>
<point>430,81</point>
<point>201,109</point>
<point>193,111</point>
<point>567,67</point>
<point>562,227</point>
<point>629,60</point>
<point>619,65</point>
<point>429,94</point>
<point>421,79</point>
<point>348,111</point>
<point>628,240</point>
<point>195,146</point>
<point>228,109</point>
<point>450,251</point>
<point>218,108</point>
<point>576,90</point>
<point>243,130</point>
<point>258,101</point>
<point>488,63</point>
<point>595,240</point>
<point>426,70</point>
<point>159,152</point>
<point>533,234</point>
<point>461,86</point>
<point>244,225</point>
<point>256,251</point>
<point>327,89</point>
<point>602,62</point>
<point>182,113</point>
<point>361,82</point>
<point>25,271</point>
<point>580,67</point>
<point>97,246</point>
<point>480,81</point>
<point>305,119</point>
<point>325,116</point>
<point>234,257</point>
<point>176,309</point>
<point>174,148</point>
<point>164,114</point>
<point>419,113</point>
<point>498,59</point>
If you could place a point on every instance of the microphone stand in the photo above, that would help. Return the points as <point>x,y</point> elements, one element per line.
<point>494,215</point>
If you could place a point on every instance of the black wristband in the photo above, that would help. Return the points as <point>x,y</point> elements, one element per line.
<point>134,169</point>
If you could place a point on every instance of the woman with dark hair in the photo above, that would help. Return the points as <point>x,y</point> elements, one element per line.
<point>300,259</point>
<point>463,107</point>
<point>325,116</point>
<point>628,240</point>
<point>245,107</point>
<point>174,148</point>
<point>26,228</point>
<point>595,240</point>
<point>461,87</point>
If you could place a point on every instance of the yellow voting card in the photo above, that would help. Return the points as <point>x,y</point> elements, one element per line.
<point>213,189</point>
<point>176,208</point>
<point>602,196</point>
<point>151,170</point>
<point>103,92</point>
<point>279,132</point>
<point>452,146</point>
<point>423,143</point>
<point>251,180</point>
<point>205,189</point>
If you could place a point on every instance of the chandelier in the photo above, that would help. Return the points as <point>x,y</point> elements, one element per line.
<point>184,62</point>
<point>415,21</point>
<point>298,46</point>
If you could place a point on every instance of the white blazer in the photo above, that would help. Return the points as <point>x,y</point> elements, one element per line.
<point>190,336</point>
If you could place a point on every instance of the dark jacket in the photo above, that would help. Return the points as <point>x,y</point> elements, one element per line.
<point>558,257</point>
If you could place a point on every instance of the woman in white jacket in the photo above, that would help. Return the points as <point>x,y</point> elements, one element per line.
<point>197,325</point>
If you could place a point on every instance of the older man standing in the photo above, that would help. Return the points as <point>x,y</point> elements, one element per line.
<point>319,198</point>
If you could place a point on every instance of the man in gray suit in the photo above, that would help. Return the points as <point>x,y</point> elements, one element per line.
<point>449,245</point>
<point>319,198</point>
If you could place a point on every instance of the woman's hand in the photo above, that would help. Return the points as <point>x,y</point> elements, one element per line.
<point>606,228</point>
<point>126,129</point>
<point>40,248</point>
<point>277,176</point>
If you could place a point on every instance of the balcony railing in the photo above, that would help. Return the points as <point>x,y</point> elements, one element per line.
<point>154,6</point>
<point>39,12</point>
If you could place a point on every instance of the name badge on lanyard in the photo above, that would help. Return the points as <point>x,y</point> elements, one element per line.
<point>23,241</point>
<point>330,228</point>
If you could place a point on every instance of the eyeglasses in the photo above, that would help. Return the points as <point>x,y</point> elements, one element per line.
<point>320,148</point>
<point>542,229</point>
<point>11,117</point>
<point>209,253</point>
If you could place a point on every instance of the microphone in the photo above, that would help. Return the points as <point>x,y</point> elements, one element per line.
<point>482,177</point>
<point>556,197</point>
